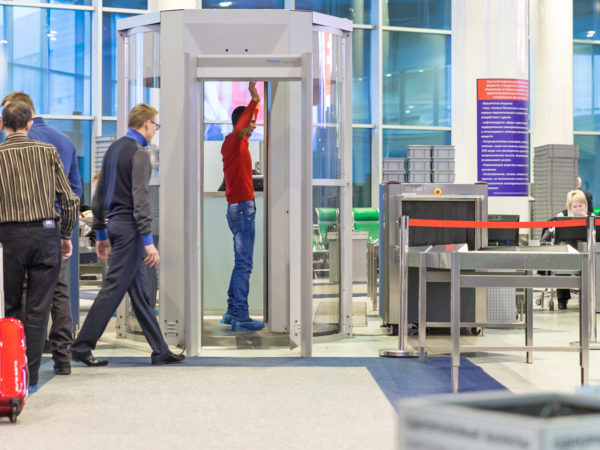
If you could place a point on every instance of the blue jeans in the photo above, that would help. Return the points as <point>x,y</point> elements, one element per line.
<point>240,217</point>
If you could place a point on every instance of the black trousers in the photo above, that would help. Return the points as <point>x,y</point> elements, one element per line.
<point>61,330</point>
<point>30,248</point>
<point>563,295</point>
<point>126,273</point>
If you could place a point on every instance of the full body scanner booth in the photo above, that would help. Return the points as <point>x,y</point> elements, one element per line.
<point>181,62</point>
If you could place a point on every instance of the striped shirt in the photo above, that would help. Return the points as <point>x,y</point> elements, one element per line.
<point>31,176</point>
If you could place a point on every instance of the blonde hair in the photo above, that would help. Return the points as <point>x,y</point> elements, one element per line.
<point>575,196</point>
<point>140,114</point>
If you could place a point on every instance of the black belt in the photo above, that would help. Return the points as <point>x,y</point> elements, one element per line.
<point>46,223</point>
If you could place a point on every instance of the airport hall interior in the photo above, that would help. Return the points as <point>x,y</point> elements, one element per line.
<point>293,224</point>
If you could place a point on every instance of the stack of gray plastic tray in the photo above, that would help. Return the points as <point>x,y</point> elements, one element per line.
<point>418,164</point>
<point>555,172</point>
<point>442,164</point>
<point>394,170</point>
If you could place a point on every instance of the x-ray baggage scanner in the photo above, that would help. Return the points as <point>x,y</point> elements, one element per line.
<point>427,201</point>
<point>305,60</point>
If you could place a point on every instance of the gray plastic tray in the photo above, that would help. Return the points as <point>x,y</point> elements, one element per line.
<point>442,152</point>
<point>418,151</point>
<point>419,177</point>
<point>418,164</point>
<point>393,175</point>
<point>393,163</point>
<point>442,164</point>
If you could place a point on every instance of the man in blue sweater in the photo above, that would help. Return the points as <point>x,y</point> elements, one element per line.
<point>61,331</point>
<point>122,197</point>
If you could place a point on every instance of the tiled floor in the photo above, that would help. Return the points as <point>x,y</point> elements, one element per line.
<point>549,371</point>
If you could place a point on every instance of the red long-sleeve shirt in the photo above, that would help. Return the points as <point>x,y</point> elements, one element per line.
<point>237,162</point>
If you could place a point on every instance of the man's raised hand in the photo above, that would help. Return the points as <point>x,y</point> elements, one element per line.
<point>253,91</point>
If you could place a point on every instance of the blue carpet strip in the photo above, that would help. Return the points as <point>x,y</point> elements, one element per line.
<point>397,377</point>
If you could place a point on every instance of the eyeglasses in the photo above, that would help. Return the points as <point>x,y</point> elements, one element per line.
<point>157,125</point>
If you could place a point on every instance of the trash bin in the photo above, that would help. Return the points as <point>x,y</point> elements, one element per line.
<point>359,256</point>
<point>501,421</point>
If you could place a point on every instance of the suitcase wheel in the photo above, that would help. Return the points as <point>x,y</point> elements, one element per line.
<point>14,412</point>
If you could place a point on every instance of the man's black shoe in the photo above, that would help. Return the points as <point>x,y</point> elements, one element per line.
<point>88,359</point>
<point>171,358</point>
<point>62,369</point>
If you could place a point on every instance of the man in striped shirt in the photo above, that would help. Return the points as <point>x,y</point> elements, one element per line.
<point>34,236</point>
<point>61,331</point>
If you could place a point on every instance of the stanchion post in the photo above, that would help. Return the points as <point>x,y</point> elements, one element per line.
<point>403,324</point>
<point>591,247</point>
<point>403,274</point>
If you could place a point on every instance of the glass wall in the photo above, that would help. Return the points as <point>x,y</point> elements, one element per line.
<point>433,14</point>
<point>395,141</point>
<point>415,75</point>
<point>586,94</point>
<point>47,48</point>
<point>361,166</point>
<point>586,19</point>
<point>359,11</point>
<point>109,62</point>
<point>589,164</point>
<point>47,54</point>
<point>416,79</point>
<point>361,76</point>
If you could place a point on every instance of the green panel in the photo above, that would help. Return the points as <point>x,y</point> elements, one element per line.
<point>370,227</point>
<point>327,215</point>
<point>365,214</point>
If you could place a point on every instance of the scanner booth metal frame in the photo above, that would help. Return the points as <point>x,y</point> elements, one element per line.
<point>240,45</point>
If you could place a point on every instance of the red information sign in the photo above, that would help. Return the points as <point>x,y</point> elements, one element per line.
<point>502,89</point>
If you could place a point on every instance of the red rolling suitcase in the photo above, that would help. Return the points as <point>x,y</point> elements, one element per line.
<point>13,361</point>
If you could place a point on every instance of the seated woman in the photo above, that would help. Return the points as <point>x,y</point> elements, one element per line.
<point>576,207</point>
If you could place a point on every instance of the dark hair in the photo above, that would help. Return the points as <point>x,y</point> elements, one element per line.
<point>19,96</point>
<point>16,115</point>
<point>236,114</point>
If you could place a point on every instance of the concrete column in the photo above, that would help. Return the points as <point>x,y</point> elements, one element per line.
<point>489,40</point>
<point>551,77</point>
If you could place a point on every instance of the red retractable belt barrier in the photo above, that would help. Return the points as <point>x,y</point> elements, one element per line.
<point>476,224</point>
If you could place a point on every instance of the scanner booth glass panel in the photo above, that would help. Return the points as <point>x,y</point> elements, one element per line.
<point>327,133</point>
<point>144,87</point>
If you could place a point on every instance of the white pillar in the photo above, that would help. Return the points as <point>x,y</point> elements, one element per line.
<point>167,5</point>
<point>489,40</point>
<point>551,78</point>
